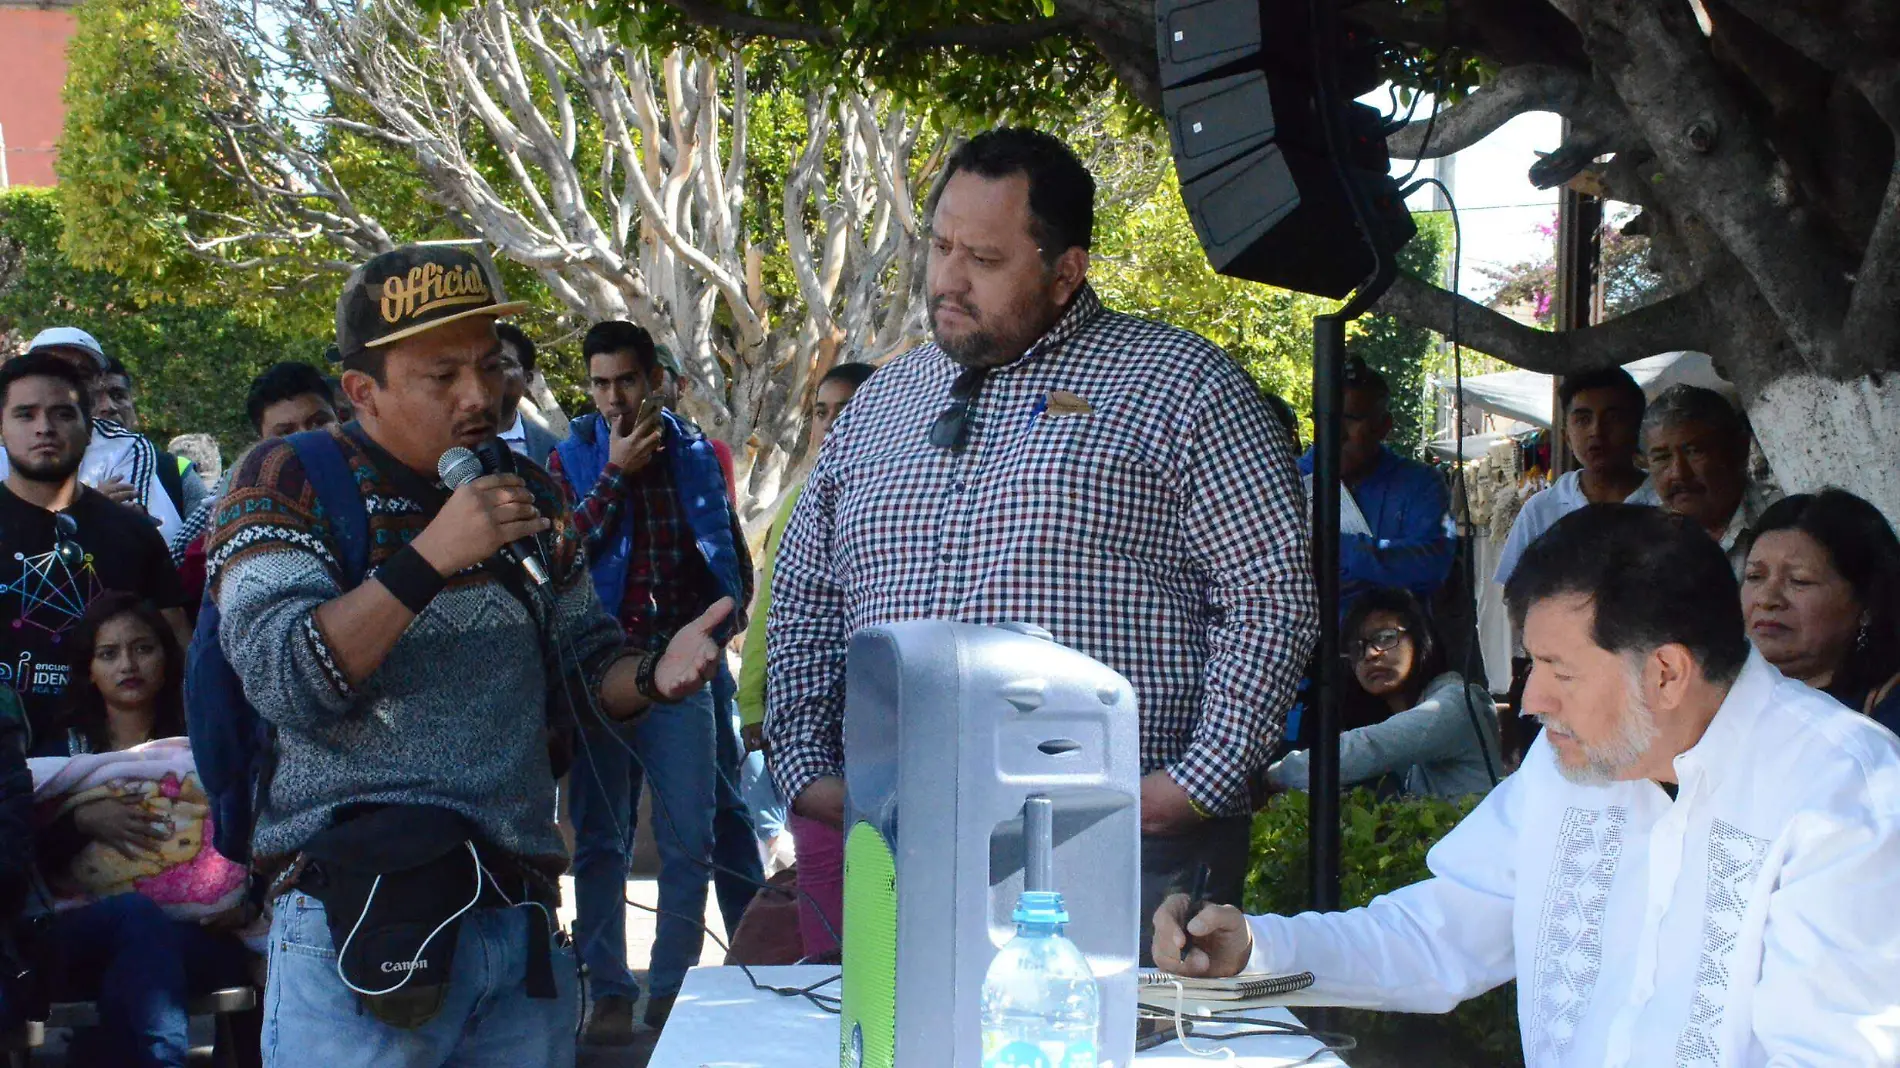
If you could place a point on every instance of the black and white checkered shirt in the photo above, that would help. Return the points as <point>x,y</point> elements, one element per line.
<point>1161,531</point>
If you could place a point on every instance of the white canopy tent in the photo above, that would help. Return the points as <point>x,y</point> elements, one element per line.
<point>1528,397</point>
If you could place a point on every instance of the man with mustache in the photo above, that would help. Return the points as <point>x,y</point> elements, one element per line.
<point>434,684</point>
<point>1120,483</point>
<point>1696,863</point>
<point>1697,445</point>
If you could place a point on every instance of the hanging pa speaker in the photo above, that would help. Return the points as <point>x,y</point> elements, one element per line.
<point>1247,125</point>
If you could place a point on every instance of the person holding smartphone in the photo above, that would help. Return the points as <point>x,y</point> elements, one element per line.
<point>663,543</point>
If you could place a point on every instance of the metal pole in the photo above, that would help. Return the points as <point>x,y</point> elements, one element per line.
<point>1329,387</point>
<point>1579,247</point>
<point>1039,843</point>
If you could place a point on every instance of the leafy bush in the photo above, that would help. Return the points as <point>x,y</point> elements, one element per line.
<point>193,362</point>
<point>1382,847</point>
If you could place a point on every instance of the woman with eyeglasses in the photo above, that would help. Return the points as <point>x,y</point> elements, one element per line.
<point>1421,722</point>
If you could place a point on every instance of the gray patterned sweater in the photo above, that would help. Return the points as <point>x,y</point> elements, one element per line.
<point>455,716</point>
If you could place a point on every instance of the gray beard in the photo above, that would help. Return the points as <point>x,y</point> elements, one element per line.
<point>1613,760</point>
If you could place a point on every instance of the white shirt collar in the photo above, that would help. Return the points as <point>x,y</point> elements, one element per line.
<point>1731,728</point>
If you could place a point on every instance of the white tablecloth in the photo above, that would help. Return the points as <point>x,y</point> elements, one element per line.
<point>721,1022</point>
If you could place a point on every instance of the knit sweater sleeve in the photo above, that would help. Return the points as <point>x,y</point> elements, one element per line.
<point>270,565</point>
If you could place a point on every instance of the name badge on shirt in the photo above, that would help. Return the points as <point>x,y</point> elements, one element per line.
<point>1063,404</point>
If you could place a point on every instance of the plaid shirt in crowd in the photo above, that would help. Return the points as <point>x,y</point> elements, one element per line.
<point>668,585</point>
<point>1124,487</point>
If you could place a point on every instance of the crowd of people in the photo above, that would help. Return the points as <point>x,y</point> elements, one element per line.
<point>431,671</point>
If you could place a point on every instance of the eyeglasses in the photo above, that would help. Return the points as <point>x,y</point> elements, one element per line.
<point>1383,640</point>
<point>952,428</point>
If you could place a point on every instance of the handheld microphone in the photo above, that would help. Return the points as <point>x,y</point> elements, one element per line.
<point>457,468</point>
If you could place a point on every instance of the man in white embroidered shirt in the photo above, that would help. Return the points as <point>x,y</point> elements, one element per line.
<point>1696,865</point>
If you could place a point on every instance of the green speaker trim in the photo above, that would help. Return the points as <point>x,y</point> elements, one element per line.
<point>867,1031</point>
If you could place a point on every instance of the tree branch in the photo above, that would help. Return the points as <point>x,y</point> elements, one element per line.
<point>1670,325</point>
<point>975,36</point>
<point>1873,313</point>
<point>1515,91</point>
<point>1717,162</point>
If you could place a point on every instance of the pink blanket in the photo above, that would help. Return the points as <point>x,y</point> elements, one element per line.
<point>186,876</point>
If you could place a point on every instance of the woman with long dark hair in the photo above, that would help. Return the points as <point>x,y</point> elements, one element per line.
<point>1411,716</point>
<point>1821,596</point>
<point>124,951</point>
<point>129,685</point>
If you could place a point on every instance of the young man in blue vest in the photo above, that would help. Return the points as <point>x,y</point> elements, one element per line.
<point>663,544</point>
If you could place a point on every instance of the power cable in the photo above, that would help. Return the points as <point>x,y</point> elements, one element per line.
<point>1473,652</point>
<point>569,667</point>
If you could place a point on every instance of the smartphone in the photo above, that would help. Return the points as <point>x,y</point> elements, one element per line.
<point>650,408</point>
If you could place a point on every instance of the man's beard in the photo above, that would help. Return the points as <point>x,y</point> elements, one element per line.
<point>1612,761</point>
<point>986,345</point>
<point>51,471</point>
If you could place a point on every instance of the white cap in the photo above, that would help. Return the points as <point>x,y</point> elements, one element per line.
<point>70,337</point>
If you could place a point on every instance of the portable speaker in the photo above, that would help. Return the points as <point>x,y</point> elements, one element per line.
<point>949,727</point>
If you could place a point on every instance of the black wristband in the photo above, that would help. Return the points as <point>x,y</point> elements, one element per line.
<point>643,678</point>
<point>411,579</point>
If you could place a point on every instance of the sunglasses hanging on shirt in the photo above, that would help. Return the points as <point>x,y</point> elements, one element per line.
<point>952,428</point>
<point>66,540</point>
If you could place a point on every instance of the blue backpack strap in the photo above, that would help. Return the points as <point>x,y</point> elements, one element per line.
<point>342,504</point>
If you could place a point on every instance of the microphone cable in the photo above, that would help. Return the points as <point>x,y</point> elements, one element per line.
<point>1474,653</point>
<point>569,665</point>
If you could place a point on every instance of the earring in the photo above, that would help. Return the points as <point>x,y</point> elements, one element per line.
<point>1860,640</point>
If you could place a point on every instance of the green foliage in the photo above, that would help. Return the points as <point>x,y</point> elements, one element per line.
<point>892,46</point>
<point>192,362</point>
<point>1382,848</point>
<point>1402,352</point>
<point>1148,262</point>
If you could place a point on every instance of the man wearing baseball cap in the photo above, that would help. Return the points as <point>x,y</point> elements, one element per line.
<point>426,692</point>
<point>119,462</point>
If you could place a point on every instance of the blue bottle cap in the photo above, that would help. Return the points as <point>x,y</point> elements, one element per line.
<point>1040,906</point>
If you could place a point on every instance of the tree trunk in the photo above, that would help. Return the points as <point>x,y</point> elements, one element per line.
<point>1817,432</point>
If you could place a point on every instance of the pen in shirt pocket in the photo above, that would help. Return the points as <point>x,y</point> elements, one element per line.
<point>1036,410</point>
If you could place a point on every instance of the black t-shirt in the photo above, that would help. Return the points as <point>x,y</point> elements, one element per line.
<point>44,591</point>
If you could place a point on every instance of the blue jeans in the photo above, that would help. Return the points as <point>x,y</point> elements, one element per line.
<point>487,1019</point>
<point>140,966</point>
<point>677,745</point>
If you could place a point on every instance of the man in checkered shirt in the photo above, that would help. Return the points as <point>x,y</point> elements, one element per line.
<point>1117,482</point>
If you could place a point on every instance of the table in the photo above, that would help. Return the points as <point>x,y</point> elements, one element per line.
<point>719,1021</point>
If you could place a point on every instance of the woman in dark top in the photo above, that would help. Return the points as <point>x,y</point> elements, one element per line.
<point>125,952</point>
<point>1821,596</point>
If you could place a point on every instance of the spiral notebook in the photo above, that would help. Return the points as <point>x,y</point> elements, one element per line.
<point>1245,987</point>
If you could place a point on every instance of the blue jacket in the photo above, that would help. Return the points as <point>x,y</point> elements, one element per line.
<point>1412,543</point>
<point>702,495</point>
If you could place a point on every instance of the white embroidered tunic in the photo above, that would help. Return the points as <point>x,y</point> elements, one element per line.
<point>1755,920</point>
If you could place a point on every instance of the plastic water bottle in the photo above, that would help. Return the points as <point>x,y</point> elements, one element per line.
<point>1040,1003</point>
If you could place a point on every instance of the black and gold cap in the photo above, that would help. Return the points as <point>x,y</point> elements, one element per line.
<point>416,288</point>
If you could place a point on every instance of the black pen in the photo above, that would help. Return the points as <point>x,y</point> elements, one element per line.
<point>1197,900</point>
